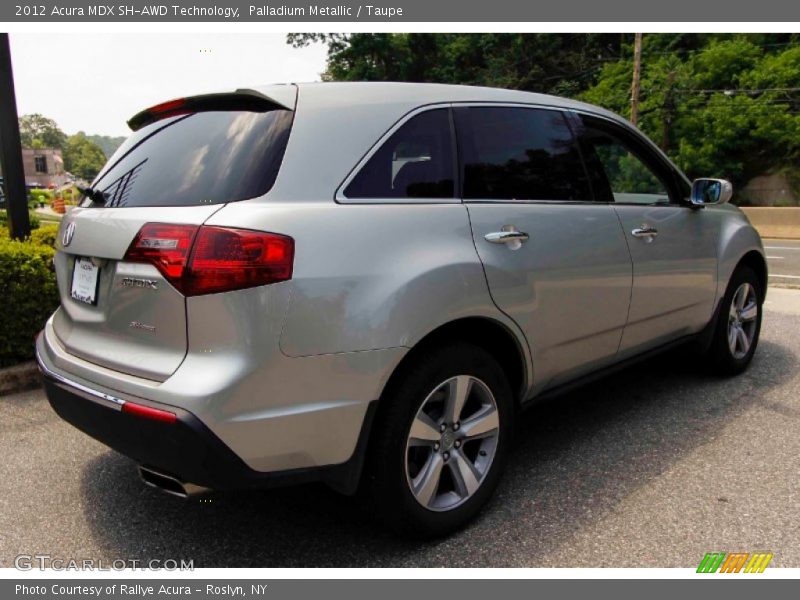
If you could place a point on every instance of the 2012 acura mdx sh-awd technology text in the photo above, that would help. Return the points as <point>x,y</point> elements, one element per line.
<point>363,283</point>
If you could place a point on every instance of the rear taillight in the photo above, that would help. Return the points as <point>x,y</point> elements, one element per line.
<point>205,260</point>
<point>230,259</point>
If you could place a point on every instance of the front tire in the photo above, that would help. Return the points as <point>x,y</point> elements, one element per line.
<point>739,323</point>
<point>439,443</point>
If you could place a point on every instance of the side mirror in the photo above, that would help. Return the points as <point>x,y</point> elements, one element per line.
<point>711,191</point>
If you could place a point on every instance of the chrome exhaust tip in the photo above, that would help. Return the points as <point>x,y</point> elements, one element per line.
<point>169,484</point>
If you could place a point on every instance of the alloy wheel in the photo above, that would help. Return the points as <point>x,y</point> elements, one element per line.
<point>452,443</point>
<point>742,320</point>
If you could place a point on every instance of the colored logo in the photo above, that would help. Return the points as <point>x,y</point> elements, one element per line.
<point>734,562</point>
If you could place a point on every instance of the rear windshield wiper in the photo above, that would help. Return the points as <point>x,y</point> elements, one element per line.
<point>95,196</point>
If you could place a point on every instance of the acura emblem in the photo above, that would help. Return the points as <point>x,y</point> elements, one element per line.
<point>66,239</point>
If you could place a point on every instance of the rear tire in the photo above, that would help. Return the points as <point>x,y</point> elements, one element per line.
<point>439,443</point>
<point>738,323</point>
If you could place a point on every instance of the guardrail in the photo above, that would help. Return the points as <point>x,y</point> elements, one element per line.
<point>775,222</point>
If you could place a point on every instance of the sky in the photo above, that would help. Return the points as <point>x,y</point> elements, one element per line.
<point>95,83</point>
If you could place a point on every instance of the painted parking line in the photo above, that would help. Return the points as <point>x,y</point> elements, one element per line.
<point>782,248</point>
<point>784,276</point>
<point>775,257</point>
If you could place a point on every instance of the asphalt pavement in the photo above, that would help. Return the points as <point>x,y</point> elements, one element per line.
<point>783,259</point>
<point>654,467</point>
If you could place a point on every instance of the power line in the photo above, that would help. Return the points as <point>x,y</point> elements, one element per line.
<point>737,90</point>
<point>705,48</point>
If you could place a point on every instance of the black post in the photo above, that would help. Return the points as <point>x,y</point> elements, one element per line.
<point>11,148</point>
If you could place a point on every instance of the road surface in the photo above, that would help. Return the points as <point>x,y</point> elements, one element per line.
<point>783,259</point>
<point>654,467</point>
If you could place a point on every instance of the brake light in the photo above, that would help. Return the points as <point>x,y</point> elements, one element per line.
<point>205,260</point>
<point>231,259</point>
<point>172,108</point>
<point>169,106</point>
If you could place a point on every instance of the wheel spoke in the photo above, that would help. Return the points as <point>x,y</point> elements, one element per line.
<point>744,341</point>
<point>427,482</point>
<point>750,312</point>
<point>484,421</point>
<point>465,476</point>
<point>741,296</point>
<point>732,338</point>
<point>424,431</point>
<point>457,394</point>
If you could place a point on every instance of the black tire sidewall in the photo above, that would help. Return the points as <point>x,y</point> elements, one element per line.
<point>394,501</point>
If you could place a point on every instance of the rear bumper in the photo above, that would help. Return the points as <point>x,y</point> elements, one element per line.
<point>185,449</point>
<point>275,413</point>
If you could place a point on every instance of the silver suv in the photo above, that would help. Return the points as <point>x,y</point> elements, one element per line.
<point>363,283</point>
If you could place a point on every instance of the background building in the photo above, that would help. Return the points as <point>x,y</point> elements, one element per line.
<point>44,167</point>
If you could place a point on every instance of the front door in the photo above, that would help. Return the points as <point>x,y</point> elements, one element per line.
<point>673,246</point>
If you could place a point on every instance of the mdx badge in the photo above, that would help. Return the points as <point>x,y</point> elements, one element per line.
<point>150,284</point>
<point>140,325</point>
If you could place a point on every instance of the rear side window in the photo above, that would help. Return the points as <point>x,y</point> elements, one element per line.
<point>519,154</point>
<point>417,161</point>
<point>202,158</point>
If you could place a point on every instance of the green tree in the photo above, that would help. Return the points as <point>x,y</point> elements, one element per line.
<point>533,62</point>
<point>37,131</point>
<point>82,157</point>
<point>107,143</point>
<point>727,108</point>
<point>725,105</point>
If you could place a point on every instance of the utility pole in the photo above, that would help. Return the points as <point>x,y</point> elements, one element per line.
<point>637,74</point>
<point>668,110</point>
<point>11,148</point>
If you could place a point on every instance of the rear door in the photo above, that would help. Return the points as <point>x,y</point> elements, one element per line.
<point>567,280</point>
<point>673,246</point>
<point>176,170</point>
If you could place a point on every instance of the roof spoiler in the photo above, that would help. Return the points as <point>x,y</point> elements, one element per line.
<point>241,99</point>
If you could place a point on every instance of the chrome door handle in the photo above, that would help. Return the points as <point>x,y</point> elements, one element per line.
<point>645,231</point>
<point>506,237</point>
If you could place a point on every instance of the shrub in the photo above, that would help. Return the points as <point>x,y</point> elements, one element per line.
<point>41,194</point>
<point>71,195</point>
<point>39,198</point>
<point>28,286</point>
<point>34,219</point>
<point>45,235</point>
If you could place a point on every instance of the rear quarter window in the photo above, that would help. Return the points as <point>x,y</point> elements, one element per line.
<point>201,158</point>
<point>417,161</point>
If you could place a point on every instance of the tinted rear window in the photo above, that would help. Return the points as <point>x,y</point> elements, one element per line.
<point>520,154</point>
<point>202,158</point>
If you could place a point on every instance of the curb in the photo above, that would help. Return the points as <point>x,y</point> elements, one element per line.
<point>19,378</point>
